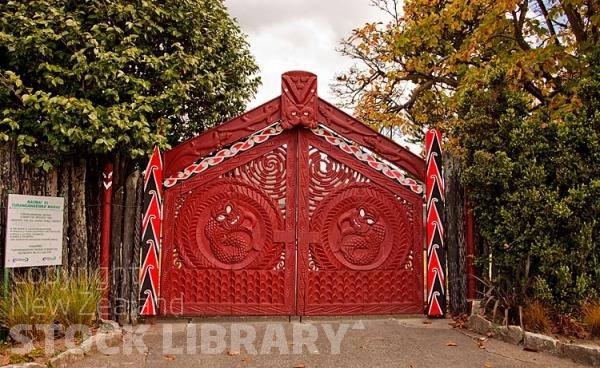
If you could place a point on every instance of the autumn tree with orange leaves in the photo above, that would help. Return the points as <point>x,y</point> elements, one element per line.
<point>410,71</point>
<point>515,87</point>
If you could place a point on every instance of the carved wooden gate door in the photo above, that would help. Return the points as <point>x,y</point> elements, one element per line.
<point>293,219</point>
<point>359,235</point>
<point>229,236</point>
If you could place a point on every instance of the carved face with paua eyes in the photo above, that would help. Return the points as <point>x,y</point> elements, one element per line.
<point>361,235</point>
<point>229,231</point>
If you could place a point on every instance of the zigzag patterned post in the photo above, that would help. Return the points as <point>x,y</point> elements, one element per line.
<point>436,259</point>
<point>151,227</point>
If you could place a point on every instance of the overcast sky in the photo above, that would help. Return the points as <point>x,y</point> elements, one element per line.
<point>299,35</point>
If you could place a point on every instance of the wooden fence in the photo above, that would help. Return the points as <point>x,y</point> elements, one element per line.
<point>79,181</point>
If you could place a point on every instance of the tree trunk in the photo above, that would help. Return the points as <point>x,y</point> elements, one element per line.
<point>17,178</point>
<point>455,235</point>
<point>65,179</point>
<point>128,243</point>
<point>137,243</point>
<point>93,193</point>
<point>78,247</point>
<point>5,174</point>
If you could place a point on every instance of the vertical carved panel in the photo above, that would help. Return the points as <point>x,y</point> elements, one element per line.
<point>436,279</point>
<point>299,100</point>
<point>151,229</point>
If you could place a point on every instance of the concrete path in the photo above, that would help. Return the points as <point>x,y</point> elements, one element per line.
<point>390,342</point>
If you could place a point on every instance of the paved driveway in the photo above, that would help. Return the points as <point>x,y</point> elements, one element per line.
<point>390,342</point>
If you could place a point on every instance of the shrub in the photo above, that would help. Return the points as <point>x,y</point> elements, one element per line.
<point>28,304</point>
<point>591,317</point>
<point>535,317</point>
<point>80,298</point>
<point>534,183</point>
<point>56,297</point>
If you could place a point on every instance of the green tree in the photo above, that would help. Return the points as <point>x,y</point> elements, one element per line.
<point>534,183</point>
<point>96,77</point>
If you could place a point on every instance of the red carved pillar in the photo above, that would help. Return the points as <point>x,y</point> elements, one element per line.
<point>107,180</point>
<point>151,235</point>
<point>436,257</point>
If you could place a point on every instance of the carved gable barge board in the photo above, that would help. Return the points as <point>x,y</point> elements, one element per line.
<point>188,152</point>
<point>353,129</point>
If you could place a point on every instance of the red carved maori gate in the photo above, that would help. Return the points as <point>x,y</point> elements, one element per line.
<point>294,208</point>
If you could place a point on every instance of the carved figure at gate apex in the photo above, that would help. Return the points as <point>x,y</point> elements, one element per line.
<point>299,100</point>
<point>229,231</point>
<point>361,235</point>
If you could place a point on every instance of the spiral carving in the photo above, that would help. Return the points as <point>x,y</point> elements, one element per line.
<point>267,172</point>
<point>326,174</point>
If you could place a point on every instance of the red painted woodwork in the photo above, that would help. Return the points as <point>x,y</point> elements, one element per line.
<point>294,225</point>
<point>151,235</point>
<point>225,153</point>
<point>229,236</point>
<point>223,135</point>
<point>299,100</point>
<point>268,113</point>
<point>356,131</point>
<point>359,236</point>
<point>436,254</point>
<point>107,181</point>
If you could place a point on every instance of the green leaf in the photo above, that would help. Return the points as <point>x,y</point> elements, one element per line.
<point>118,76</point>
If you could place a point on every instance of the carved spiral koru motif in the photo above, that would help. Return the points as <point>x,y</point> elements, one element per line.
<point>325,171</point>
<point>228,225</point>
<point>267,172</point>
<point>326,175</point>
<point>362,228</point>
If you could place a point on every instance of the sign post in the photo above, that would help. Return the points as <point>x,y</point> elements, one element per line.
<point>34,231</point>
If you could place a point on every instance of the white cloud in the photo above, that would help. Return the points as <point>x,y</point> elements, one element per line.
<point>299,35</point>
<point>341,15</point>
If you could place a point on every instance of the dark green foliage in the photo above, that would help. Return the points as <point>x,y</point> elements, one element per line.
<point>535,186</point>
<point>89,77</point>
